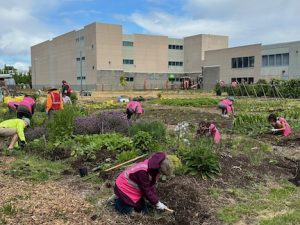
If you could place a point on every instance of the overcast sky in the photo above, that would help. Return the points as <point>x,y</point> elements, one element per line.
<point>28,22</point>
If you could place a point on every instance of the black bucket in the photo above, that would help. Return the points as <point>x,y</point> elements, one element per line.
<point>83,171</point>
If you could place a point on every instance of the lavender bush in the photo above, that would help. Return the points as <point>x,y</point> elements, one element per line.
<point>87,125</point>
<point>35,133</point>
<point>114,121</point>
<point>110,121</point>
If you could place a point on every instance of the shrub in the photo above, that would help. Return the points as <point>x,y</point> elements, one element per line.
<point>61,127</point>
<point>113,121</point>
<point>35,133</point>
<point>175,163</point>
<point>218,89</point>
<point>194,102</point>
<point>38,119</point>
<point>142,141</point>
<point>127,155</point>
<point>87,125</point>
<point>200,159</point>
<point>156,129</point>
<point>73,97</point>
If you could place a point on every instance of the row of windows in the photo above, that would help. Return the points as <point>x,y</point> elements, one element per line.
<point>242,62</point>
<point>79,78</point>
<point>78,58</point>
<point>129,79</point>
<point>128,61</point>
<point>275,60</point>
<point>172,63</point>
<point>177,47</point>
<point>128,43</point>
<point>80,39</point>
<point>248,80</point>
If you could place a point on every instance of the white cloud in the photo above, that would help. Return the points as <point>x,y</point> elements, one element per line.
<point>22,67</point>
<point>245,22</point>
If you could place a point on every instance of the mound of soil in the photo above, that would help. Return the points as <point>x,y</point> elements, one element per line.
<point>187,198</point>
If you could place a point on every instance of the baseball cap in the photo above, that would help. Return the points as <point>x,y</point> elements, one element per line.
<point>231,98</point>
<point>26,121</point>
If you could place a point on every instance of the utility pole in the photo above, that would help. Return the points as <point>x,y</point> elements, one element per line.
<point>34,63</point>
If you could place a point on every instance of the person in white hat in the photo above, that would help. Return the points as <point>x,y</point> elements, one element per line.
<point>13,128</point>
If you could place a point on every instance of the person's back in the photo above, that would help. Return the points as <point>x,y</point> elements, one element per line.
<point>54,102</point>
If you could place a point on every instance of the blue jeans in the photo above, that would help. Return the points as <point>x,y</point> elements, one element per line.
<point>123,208</point>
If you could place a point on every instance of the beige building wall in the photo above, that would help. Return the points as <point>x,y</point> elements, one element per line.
<point>175,55</point>
<point>195,47</point>
<point>128,53</point>
<point>109,46</point>
<point>150,53</point>
<point>223,57</point>
<point>54,61</point>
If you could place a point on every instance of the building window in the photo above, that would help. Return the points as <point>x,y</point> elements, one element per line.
<point>93,67</point>
<point>83,58</point>
<point>79,78</point>
<point>176,47</point>
<point>128,61</point>
<point>285,59</point>
<point>242,62</point>
<point>275,60</point>
<point>92,46</point>
<point>77,59</point>
<point>172,63</point>
<point>129,79</point>
<point>128,43</point>
<point>79,39</point>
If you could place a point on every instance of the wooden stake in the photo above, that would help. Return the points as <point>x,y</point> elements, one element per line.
<point>170,210</point>
<point>129,161</point>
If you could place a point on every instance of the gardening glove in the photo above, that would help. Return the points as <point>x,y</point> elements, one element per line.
<point>22,144</point>
<point>160,206</point>
<point>274,130</point>
<point>47,113</point>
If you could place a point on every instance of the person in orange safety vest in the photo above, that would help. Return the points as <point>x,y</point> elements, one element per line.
<point>54,102</point>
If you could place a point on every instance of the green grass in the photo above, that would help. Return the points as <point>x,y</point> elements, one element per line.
<point>194,102</point>
<point>35,169</point>
<point>8,209</point>
<point>251,204</point>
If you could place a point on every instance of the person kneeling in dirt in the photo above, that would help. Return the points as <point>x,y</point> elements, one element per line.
<point>226,106</point>
<point>134,108</point>
<point>208,129</point>
<point>280,125</point>
<point>13,128</point>
<point>25,108</point>
<point>138,182</point>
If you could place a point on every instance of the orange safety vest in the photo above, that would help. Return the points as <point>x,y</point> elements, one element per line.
<point>56,100</point>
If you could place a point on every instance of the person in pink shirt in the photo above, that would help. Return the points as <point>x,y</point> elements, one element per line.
<point>209,129</point>
<point>25,108</point>
<point>226,106</point>
<point>280,125</point>
<point>134,108</point>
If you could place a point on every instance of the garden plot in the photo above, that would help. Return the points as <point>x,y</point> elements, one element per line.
<point>240,181</point>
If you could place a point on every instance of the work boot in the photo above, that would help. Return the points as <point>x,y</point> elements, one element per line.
<point>111,200</point>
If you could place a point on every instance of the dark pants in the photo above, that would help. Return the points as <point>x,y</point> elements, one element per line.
<point>123,208</point>
<point>223,108</point>
<point>23,111</point>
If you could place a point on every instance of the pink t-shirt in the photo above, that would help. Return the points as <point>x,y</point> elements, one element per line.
<point>228,104</point>
<point>135,106</point>
<point>288,130</point>
<point>215,133</point>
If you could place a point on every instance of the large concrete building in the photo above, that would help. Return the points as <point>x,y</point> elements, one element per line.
<point>97,56</point>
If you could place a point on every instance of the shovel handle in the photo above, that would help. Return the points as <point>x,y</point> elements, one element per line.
<point>169,210</point>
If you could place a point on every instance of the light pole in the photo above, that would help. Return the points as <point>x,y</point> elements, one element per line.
<point>80,73</point>
<point>34,64</point>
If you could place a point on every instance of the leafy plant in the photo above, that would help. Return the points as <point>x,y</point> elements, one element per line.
<point>61,127</point>
<point>127,155</point>
<point>156,129</point>
<point>176,164</point>
<point>193,102</point>
<point>73,97</point>
<point>142,141</point>
<point>200,159</point>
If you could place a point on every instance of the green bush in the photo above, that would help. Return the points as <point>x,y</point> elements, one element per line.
<point>38,119</point>
<point>73,97</point>
<point>62,126</point>
<point>88,145</point>
<point>156,129</point>
<point>127,155</point>
<point>193,102</point>
<point>142,141</point>
<point>218,89</point>
<point>176,164</point>
<point>200,159</point>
